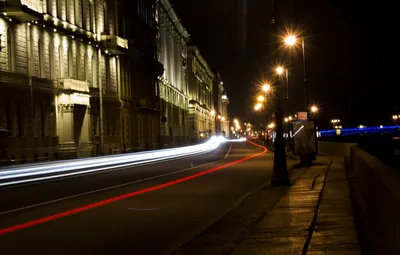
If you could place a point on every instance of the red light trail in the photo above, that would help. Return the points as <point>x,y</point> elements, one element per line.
<point>128,195</point>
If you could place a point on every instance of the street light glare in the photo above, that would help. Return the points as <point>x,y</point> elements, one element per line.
<point>280,70</point>
<point>266,87</point>
<point>260,98</point>
<point>314,109</point>
<point>290,40</point>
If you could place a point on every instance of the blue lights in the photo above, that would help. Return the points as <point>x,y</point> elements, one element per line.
<point>364,130</point>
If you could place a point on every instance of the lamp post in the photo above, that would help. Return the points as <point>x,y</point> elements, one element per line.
<point>266,89</point>
<point>291,40</point>
<point>280,174</point>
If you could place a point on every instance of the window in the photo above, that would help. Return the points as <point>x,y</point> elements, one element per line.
<point>78,12</point>
<point>70,62</point>
<point>21,120</point>
<point>59,8</point>
<point>70,11</point>
<point>51,60</point>
<point>78,63</point>
<point>42,66</point>
<point>61,61</point>
<point>94,71</point>
<point>10,50</point>
<point>86,67</point>
<point>49,4</point>
<point>3,116</point>
<point>91,16</point>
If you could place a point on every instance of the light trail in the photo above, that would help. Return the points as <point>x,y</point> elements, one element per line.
<point>51,170</point>
<point>74,167</point>
<point>127,195</point>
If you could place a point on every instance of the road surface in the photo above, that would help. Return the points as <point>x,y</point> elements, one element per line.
<point>150,209</point>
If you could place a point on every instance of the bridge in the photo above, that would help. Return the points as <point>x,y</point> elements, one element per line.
<point>359,131</point>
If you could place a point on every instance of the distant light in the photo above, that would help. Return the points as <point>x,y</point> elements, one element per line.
<point>5,13</point>
<point>260,98</point>
<point>380,126</point>
<point>223,118</point>
<point>55,30</point>
<point>286,119</point>
<point>212,112</point>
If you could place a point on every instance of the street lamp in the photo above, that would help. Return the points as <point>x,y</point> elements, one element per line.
<point>290,40</point>
<point>279,70</point>
<point>260,98</point>
<point>280,175</point>
<point>314,109</point>
<point>266,88</point>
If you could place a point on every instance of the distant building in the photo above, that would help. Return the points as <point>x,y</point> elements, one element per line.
<point>225,121</point>
<point>221,107</point>
<point>201,121</point>
<point>174,100</point>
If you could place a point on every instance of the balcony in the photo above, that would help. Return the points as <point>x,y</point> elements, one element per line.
<point>74,85</point>
<point>23,10</point>
<point>114,44</point>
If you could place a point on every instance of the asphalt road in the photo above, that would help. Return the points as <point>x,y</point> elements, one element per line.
<point>151,209</point>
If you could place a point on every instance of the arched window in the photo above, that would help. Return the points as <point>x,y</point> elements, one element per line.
<point>42,66</point>
<point>10,49</point>
<point>70,62</point>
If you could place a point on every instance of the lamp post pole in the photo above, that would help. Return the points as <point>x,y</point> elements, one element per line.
<point>280,174</point>
<point>305,70</point>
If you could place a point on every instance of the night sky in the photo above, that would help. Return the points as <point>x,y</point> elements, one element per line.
<point>346,68</point>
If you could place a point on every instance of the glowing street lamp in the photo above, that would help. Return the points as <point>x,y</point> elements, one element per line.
<point>212,112</point>
<point>290,40</point>
<point>266,87</point>
<point>257,107</point>
<point>279,70</point>
<point>260,98</point>
<point>314,109</point>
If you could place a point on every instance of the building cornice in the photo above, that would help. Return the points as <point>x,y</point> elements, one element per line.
<point>201,60</point>
<point>169,12</point>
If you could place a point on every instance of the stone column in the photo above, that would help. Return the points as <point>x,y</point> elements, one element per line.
<point>66,125</point>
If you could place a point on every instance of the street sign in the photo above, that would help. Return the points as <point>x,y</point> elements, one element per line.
<point>302,116</point>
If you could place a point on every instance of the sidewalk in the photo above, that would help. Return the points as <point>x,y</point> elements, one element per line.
<point>314,217</point>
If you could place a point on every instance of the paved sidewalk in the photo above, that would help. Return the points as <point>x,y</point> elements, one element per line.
<point>314,217</point>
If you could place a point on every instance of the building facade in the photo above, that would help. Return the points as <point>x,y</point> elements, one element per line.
<point>141,96</point>
<point>174,100</point>
<point>71,83</point>
<point>201,119</point>
<point>221,102</point>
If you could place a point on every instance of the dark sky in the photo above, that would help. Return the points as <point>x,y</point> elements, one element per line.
<point>347,70</point>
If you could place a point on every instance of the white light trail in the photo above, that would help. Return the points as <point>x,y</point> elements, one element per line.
<point>58,169</point>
